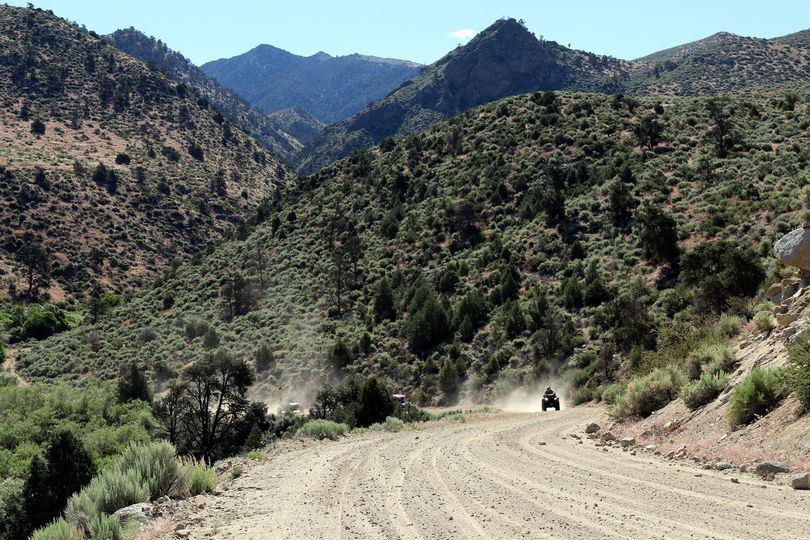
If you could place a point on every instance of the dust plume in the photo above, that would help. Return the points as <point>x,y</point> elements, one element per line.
<point>525,399</point>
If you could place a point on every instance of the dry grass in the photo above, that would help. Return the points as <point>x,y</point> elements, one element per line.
<point>156,529</point>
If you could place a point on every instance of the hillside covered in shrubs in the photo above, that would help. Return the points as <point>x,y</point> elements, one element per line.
<point>596,235</point>
<point>109,170</point>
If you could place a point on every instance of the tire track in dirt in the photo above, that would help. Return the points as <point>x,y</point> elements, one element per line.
<point>500,476</point>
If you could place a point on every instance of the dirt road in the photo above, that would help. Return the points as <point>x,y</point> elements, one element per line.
<point>509,476</point>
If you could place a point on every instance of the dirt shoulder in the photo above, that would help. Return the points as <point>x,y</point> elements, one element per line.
<point>497,476</point>
<point>782,435</point>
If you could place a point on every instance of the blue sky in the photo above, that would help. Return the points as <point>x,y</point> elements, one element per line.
<point>420,30</point>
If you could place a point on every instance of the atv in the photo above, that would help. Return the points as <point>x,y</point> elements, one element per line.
<point>550,401</point>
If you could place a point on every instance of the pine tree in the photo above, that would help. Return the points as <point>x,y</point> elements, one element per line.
<point>595,290</point>
<point>658,233</point>
<point>36,495</point>
<point>133,385</point>
<point>448,378</point>
<point>620,203</point>
<point>572,293</point>
<point>428,325</point>
<point>384,301</point>
<point>514,321</point>
<point>340,356</point>
<point>264,358</point>
<point>375,402</point>
<point>66,468</point>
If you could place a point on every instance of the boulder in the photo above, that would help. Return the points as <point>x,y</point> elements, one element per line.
<point>593,427</point>
<point>785,319</point>
<point>793,249</point>
<point>628,441</point>
<point>792,332</point>
<point>767,468</point>
<point>801,481</point>
<point>722,466</point>
<point>792,281</point>
<point>138,513</point>
<point>774,290</point>
<point>672,425</point>
<point>608,436</point>
<point>790,286</point>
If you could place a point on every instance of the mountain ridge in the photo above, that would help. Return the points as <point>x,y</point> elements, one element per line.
<point>485,69</point>
<point>272,79</point>
<point>722,62</point>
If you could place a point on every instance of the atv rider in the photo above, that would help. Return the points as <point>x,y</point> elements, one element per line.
<point>549,392</point>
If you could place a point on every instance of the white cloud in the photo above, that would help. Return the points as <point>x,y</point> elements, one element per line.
<point>463,34</point>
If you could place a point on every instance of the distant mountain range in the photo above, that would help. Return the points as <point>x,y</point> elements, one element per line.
<point>312,111</point>
<point>267,131</point>
<point>315,110</point>
<point>506,59</point>
<point>329,88</point>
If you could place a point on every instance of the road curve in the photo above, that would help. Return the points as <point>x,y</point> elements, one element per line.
<point>505,476</point>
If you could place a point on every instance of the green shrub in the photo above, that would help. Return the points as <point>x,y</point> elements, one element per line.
<point>236,472</point>
<point>758,394</point>
<point>58,530</point>
<point>585,394</point>
<point>612,392</point>
<point>323,429</point>
<point>158,468</point>
<point>36,322</point>
<point>763,321</point>
<point>647,393</point>
<point>704,390</point>
<point>256,455</point>
<point>391,424</point>
<point>712,357</point>
<point>7,379</point>
<point>110,491</point>
<point>722,364</point>
<point>728,326</point>
<point>101,527</point>
<point>199,477</point>
<point>799,374</point>
<point>106,527</point>
<point>13,522</point>
<point>91,410</point>
<point>410,413</point>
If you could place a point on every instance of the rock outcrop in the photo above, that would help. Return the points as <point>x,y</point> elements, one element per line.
<point>793,249</point>
<point>791,294</point>
<point>801,481</point>
<point>771,467</point>
<point>139,513</point>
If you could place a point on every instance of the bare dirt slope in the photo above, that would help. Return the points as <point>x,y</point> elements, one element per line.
<point>504,476</point>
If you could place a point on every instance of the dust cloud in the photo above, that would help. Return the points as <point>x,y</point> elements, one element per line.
<point>278,396</point>
<point>526,399</point>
